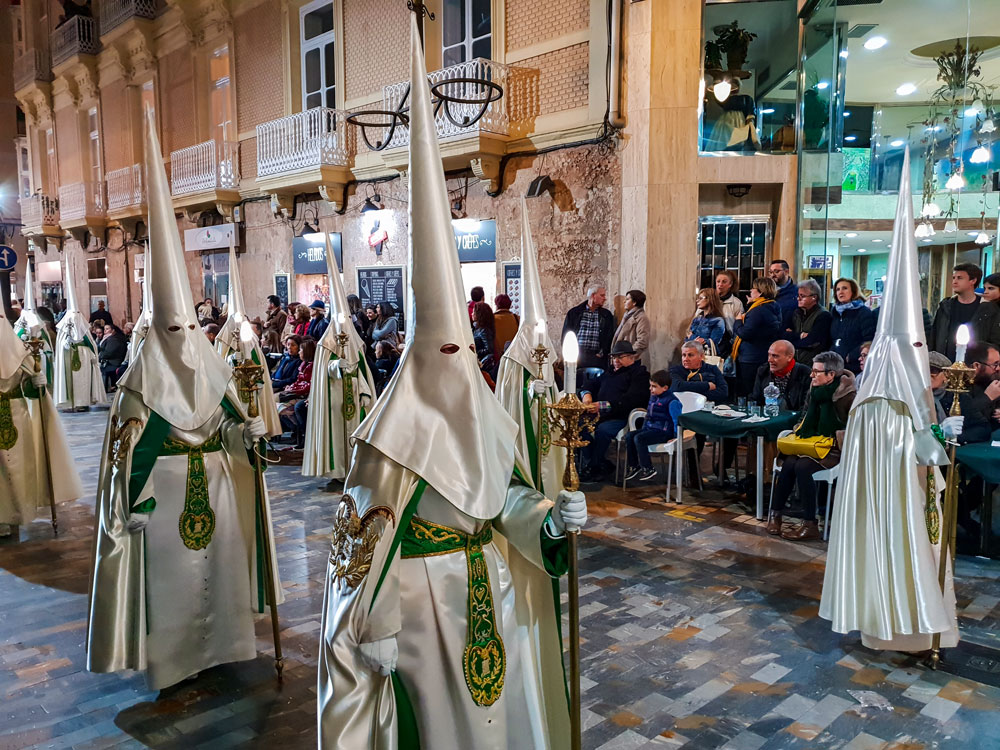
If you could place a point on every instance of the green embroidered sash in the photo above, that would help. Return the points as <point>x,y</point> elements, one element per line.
<point>197,521</point>
<point>74,362</point>
<point>484,660</point>
<point>349,406</point>
<point>8,430</point>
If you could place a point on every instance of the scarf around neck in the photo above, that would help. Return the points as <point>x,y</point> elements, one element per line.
<point>821,416</point>
<point>852,305</point>
<point>739,340</point>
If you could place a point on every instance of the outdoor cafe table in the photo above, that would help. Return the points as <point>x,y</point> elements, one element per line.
<point>983,459</point>
<point>715,426</point>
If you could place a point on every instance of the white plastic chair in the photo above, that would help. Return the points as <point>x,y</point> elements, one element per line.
<point>635,419</point>
<point>689,402</point>
<point>829,476</point>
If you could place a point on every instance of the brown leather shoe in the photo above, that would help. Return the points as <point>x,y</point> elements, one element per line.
<point>774,523</point>
<point>807,531</point>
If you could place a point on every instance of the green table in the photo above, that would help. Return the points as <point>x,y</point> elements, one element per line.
<point>712,425</point>
<point>983,460</point>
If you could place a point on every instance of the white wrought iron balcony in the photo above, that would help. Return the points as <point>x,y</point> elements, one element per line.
<point>39,210</point>
<point>80,202</point>
<point>125,188</point>
<point>116,12</point>
<point>32,66</point>
<point>315,138</point>
<point>77,36</point>
<point>206,166</point>
<point>458,119</point>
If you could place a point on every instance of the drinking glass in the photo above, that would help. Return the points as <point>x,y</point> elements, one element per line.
<point>741,404</point>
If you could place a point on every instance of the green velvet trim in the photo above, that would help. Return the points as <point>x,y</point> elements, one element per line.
<point>144,455</point>
<point>401,528</point>
<point>529,433</point>
<point>427,539</point>
<point>939,434</point>
<point>555,552</point>
<point>406,717</point>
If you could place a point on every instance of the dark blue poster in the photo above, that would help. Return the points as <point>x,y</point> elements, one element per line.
<point>309,253</point>
<point>476,240</point>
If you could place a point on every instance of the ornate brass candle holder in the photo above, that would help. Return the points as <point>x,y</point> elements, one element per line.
<point>570,417</point>
<point>249,378</point>
<point>36,346</point>
<point>543,436</point>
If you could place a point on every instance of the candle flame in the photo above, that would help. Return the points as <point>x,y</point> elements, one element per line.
<point>962,335</point>
<point>571,349</point>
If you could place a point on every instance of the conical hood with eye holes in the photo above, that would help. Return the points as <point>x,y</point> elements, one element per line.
<point>176,372</point>
<point>29,324</point>
<point>437,417</point>
<point>229,336</point>
<point>13,352</point>
<point>73,326</point>
<point>338,307</point>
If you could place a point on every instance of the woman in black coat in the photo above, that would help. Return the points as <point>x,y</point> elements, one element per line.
<point>755,331</point>
<point>111,352</point>
<point>853,322</point>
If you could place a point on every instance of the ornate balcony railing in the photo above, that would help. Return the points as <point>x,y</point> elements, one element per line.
<point>77,36</point>
<point>125,188</point>
<point>32,66</point>
<point>314,138</point>
<point>81,200</point>
<point>451,118</point>
<point>116,12</point>
<point>206,166</point>
<point>39,210</point>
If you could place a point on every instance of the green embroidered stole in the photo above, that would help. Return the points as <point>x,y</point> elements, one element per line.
<point>534,443</point>
<point>197,520</point>
<point>8,430</point>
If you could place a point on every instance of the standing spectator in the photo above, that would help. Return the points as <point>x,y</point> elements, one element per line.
<point>787,298</point>
<point>274,324</point>
<point>709,321</point>
<point>862,358</point>
<point>623,388</point>
<point>810,324</point>
<point>478,294</point>
<point>991,288</point>
<point>287,368</point>
<point>357,314</point>
<point>506,324</point>
<point>965,308</point>
<point>594,327</point>
<point>385,327</point>
<point>300,319</point>
<point>853,322</point>
<point>484,335</point>
<point>725,287</point>
<point>694,375</point>
<point>207,312</point>
<point>755,330</point>
<point>101,315</point>
<point>318,324</point>
<point>386,360</point>
<point>939,379</point>
<point>211,331</point>
<point>827,407</point>
<point>634,327</point>
<point>790,377</point>
<point>111,352</point>
<point>658,427</point>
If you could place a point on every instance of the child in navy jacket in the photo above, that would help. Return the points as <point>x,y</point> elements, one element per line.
<point>657,428</point>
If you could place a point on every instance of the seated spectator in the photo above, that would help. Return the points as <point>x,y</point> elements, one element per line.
<point>695,375</point>
<point>658,427</point>
<point>939,380</point>
<point>386,361</point>
<point>810,324</point>
<point>207,312</point>
<point>287,368</point>
<point>853,323</point>
<point>484,336</point>
<point>370,314</point>
<point>964,308</point>
<point>979,404</point>
<point>709,321</point>
<point>318,324</point>
<point>755,330</point>
<point>97,331</point>
<point>791,377</point>
<point>300,320</point>
<point>211,331</point>
<point>385,326</point>
<point>505,322</point>
<point>111,352</point>
<point>827,407</point>
<point>862,358</point>
<point>634,327</point>
<point>293,416</point>
<point>623,388</point>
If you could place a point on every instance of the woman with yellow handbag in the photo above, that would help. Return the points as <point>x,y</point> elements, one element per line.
<point>814,445</point>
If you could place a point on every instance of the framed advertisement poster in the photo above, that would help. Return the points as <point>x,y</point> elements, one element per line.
<point>512,284</point>
<point>281,282</point>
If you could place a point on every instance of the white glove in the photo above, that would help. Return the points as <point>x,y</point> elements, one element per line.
<point>380,656</point>
<point>538,387</point>
<point>137,522</point>
<point>38,380</point>
<point>570,511</point>
<point>253,430</point>
<point>952,426</point>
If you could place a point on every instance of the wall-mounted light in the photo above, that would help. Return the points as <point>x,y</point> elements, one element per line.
<point>722,89</point>
<point>738,191</point>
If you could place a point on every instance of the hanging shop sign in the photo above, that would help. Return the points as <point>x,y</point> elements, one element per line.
<point>210,238</point>
<point>309,253</point>
<point>512,285</point>
<point>476,240</point>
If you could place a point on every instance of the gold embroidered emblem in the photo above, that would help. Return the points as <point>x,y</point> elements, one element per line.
<point>349,406</point>
<point>120,442</point>
<point>354,541</point>
<point>931,516</point>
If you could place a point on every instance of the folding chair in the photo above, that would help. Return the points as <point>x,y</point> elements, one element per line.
<point>689,402</point>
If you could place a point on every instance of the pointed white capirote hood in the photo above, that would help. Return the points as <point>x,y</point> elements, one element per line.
<point>897,367</point>
<point>29,320</point>
<point>532,304</point>
<point>338,307</point>
<point>437,416</point>
<point>13,352</point>
<point>73,325</point>
<point>232,332</point>
<point>176,371</point>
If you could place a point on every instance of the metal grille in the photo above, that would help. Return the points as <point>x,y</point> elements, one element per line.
<point>733,243</point>
<point>316,137</point>
<point>77,36</point>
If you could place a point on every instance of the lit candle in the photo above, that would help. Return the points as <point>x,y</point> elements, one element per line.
<point>540,333</point>
<point>961,342</point>
<point>571,352</point>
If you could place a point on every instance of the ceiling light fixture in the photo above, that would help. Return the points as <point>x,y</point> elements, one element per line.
<point>980,156</point>
<point>876,42</point>
<point>930,209</point>
<point>897,143</point>
<point>955,182</point>
<point>822,85</point>
<point>878,240</point>
<point>950,226</point>
<point>988,126</point>
<point>850,138</point>
<point>851,234</point>
<point>847,113</point>
<point>906,89</point>
<point>982,239</point>
<point>862,249</point>
<point>768,111</point>
<point>924,229</point>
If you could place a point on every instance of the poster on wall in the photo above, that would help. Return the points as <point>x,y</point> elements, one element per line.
<point>281,288</point>
<point>475,240</point>
<point>210,238</point>
<point>383,284</point>
<point>512,285</point>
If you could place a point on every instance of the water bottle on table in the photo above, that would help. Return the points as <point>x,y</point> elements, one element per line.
<point>771,398</point>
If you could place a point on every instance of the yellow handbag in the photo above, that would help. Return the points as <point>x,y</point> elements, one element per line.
<point>817,447</point>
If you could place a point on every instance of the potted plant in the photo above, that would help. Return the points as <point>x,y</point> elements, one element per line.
<point>735,42</point>
<point>713,55</point>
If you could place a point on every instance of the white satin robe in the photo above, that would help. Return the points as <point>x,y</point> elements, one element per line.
<point>24,474</point>
<point>80,388</point>
<point>882,569</point>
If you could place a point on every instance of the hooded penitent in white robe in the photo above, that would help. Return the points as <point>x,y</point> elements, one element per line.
<point>30,325</point>
<point>26,467</point>
<point>434,543</point>
<point>178,550</point>
<point>518,369</point>
<point>882,565</point>
<point>78,382</point>
<point>342,388</point>
<point>142,324</point>
<point>237,335</point>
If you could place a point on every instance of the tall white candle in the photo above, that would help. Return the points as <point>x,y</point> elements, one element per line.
<point>540,333</point>
<point>571,352</point>
<point>961,342</point>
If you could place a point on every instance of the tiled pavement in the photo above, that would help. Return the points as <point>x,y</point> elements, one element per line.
<point>699,631</point>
